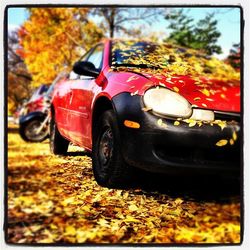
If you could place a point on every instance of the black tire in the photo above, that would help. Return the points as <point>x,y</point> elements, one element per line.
<point>109,167</point>
<point>28,133</point>
<point>58,144</point>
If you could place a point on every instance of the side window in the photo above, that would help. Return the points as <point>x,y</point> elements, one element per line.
<point>96,57</point>
<point>73,75</point>
<point>86,55</point>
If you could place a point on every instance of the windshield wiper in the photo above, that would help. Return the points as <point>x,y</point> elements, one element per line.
<point>144,66</point>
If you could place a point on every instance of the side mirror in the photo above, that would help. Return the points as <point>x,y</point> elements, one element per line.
<point>85,68</point>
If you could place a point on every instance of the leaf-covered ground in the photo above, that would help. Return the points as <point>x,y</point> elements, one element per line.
<point>55,199</point>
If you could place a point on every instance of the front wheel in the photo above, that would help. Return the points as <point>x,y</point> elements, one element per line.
<point>31,131</point>
<point>109,167</point>
<point>58,144</point>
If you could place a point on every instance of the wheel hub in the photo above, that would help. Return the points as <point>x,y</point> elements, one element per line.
<point>106,146</point>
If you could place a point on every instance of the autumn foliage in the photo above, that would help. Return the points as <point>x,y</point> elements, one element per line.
<point>52,39</point>
<point>55,199</point>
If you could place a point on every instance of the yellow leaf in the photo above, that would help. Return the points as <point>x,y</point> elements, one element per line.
<point>222,96</point>
<point>210,99</point>
<point>176,123</point>
<point>27,200</point>
<point>67,201</point>
<point>175,89</point>
<point>131,219</point>
<point>205,92</point>
<point>135,93</point>
<point>133,208</point>
<point>103,223</point>
<point>70,230</point>
<point>207,218</point>
<point>146,109</point>
<point>222,124</point>
<point>161,123</point>
<point>41,194</point>
<point>234,136</point>
<point>82,235</point>
<point>221,143</point>
<point>231,142</point>
<point>178,201</point>
<point>53,226</point>
<point>132,78</point>
<point>192,123</point>
<point>199,123</point>
<point>125,196</point>
<point>197,98</point>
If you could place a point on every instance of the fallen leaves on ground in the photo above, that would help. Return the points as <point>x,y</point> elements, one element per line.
<point>55,199</point>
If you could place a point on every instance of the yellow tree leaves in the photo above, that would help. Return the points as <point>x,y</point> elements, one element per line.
<point>54,38</point>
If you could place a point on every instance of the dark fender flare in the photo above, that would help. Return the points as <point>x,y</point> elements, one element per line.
<point>31,116</point>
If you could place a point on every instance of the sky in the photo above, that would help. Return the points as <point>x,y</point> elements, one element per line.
<point>228,23</point>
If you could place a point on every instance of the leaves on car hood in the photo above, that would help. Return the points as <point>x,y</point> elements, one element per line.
<point>204,81</point>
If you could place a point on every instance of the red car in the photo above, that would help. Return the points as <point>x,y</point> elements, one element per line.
<point>157,107</point>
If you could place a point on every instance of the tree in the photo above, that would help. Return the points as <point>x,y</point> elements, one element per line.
<point>234,57</point>
<point>117,19</point>
<point>52,39</point>
<point>181,26</point>
<point>202,35</point>
<point>206,35</point>
<point>19,79</point>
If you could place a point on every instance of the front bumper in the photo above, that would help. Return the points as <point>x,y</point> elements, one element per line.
<point>167,148</point>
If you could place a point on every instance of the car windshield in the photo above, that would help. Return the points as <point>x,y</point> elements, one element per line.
<point>168,58</point>
<point>142,54</point>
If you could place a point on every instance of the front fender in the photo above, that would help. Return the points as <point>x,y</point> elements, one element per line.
<point>31,116</point>
<point>129,107</point>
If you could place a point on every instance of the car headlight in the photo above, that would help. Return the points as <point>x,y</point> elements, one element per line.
<point>166,102</point>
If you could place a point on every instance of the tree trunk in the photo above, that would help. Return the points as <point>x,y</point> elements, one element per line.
<point>112,23</point>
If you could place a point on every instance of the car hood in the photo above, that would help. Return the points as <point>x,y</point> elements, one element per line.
<point>201,92</point>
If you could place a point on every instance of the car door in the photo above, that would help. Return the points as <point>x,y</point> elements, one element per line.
<point>63,96</point>
<point>81,97</point>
